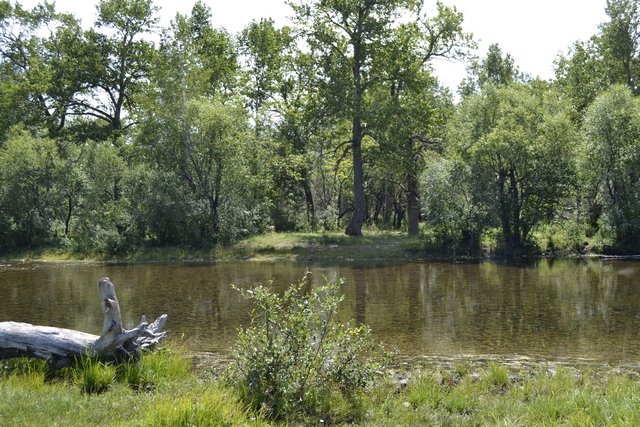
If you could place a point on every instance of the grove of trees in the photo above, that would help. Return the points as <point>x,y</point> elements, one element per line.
<point>125,134</point>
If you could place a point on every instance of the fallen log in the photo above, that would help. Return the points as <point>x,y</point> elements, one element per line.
<point>61,347</point>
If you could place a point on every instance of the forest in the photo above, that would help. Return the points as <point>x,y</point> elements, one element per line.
<point>125,135</point>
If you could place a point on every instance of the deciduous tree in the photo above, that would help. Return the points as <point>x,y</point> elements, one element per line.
<point>520,138</point>
<point>352,41</point>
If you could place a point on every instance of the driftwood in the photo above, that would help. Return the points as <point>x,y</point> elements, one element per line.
<point>61,347</point>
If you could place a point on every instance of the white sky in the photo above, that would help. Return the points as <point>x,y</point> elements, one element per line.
<point>533,32</point>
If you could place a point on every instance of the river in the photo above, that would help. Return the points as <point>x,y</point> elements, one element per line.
<point>546,309</point>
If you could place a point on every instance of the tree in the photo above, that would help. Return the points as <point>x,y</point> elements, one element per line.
<point>620,42</point>
<point>38,75</point>
<point>40,189</point>
<point>269,63</point>
<point>612,147</point>
<point>282,96</point>
<point>196,129</point>
<point>216,51</point>
<point>518,137</point>
<point>496,68</point>
<point>27,181</point>
<point>411,119</point>
<point>581,75</point>
<point>73,72</point>
<point>351,41</point>
<point>610,57</point>
<point>118,63</point>
<point>455,204</point>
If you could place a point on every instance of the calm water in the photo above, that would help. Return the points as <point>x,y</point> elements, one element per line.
<point>556,310</point>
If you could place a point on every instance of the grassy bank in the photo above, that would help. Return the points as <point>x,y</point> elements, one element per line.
<point>166,391</point>
<point>334,246</point>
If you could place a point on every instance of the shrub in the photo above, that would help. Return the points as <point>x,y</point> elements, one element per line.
<point>296,361</point>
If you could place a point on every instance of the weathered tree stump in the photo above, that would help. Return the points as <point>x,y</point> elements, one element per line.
<point>61,347</point>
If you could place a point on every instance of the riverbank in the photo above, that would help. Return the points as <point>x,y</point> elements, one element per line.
<point>299,246</point>
<point>334,246</point>
<point>167,391</point>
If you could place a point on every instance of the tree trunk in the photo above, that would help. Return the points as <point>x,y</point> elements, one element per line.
<point>355,225</point>
<point>61,347</point>
<point>311,210</point>
<point>413,205</point>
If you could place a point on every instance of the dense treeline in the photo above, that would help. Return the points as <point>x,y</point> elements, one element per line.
<point>126,134</point>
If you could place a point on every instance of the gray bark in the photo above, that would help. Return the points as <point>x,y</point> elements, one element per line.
<point>61,347</point>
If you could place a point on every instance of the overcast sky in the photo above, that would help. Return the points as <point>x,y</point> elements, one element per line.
<point>533,32</point>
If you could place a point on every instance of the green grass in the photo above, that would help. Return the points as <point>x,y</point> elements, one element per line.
<point>171,393</point>
<point>501,396</point>
<point>330,246</point>
<point>165,392</point>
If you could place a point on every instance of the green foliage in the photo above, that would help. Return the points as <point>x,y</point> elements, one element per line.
<point>110,143</point>
<point>199,147</point>
<point>564,236</point>
<point>518,142</point>
<point>360,48</point>
<point>34,181</point>
<point>496,68</point>
<point>296,361</point>
<point>612,138</point>
<point>35,89</point>
<point>453,206</point>
<point>581,75</point>
<point>619,43</point>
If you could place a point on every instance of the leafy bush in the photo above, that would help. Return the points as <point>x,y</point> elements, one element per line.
<point>296,361</point>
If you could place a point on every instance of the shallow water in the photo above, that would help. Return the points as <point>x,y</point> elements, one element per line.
<point>544,310</point>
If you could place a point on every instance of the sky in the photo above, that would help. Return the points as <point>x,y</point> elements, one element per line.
<point>533,32</point>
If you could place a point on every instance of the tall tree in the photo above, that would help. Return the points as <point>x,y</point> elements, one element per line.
<point>283,98</point>
<point>402,144</point>
<point>351,41</point>
<point>54,67</point>
<point>38,77</point>
<point>35,186</point>
<point>119,62</point>
<point>581,74</point>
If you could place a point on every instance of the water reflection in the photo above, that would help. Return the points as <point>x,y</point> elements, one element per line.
<point>544,309</point>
